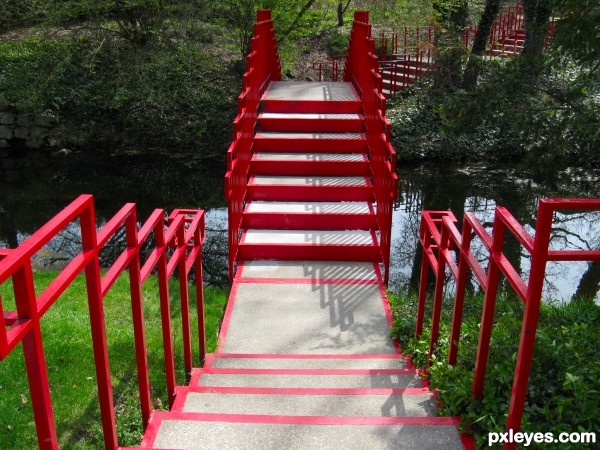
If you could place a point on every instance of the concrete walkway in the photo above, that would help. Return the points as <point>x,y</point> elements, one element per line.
<point>305,359</point>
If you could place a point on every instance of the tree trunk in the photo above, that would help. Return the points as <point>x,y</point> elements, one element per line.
<point>305,8</point>
<point>537,17</point>
<point>452,19</point>
<point>340,14</point>
<point>589,284</point>
<point>492,7</point>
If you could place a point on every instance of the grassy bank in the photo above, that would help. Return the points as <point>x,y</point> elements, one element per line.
<point>68,349</point>
<point>564,383</point>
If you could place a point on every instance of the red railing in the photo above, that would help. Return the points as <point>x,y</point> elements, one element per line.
<point>507,33</point>
<point>179,247</point>
<point>441,241</point>
<point>362,69</point>
<point>262,67</point>
<point>331,67</point>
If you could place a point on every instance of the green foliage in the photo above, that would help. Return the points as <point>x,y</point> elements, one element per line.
<point>338,43</point>
<point>565,374</point>
<point>68,351</point>
<point>550,121</point>
<point>108,94</point>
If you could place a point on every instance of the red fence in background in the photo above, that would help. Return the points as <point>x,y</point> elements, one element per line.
<point>183,236</point>
<point>442,242</point>
<point>262,67</point>
<point>362,69</point>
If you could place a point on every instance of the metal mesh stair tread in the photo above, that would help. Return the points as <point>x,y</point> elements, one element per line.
<point>311,91</point>
<point>309,136</point>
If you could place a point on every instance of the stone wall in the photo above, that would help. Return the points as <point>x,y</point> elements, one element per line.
<point>26,143</point>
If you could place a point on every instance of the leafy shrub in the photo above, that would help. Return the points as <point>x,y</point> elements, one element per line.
<point>565,374</point>
<point>110,95</point>
<point>338,43</point>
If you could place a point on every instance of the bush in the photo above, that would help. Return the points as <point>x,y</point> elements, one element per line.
<point>564,378</point>
<point>110,95</point>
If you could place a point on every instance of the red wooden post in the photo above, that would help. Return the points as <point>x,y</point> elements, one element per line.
<point>35,362</point>
<point>137,313</point>
<point>489,305</point>
<point>97,322</point>
<point>439,290</point>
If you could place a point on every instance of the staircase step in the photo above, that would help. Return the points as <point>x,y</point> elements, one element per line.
<point>311,122</point>
<point>311,97</point>
<point>358,245</point>
<point>280,402</point>
<point>311,188</point>
<point>309,142</point>
<point>304,361</point>
<point>305,379</point>
<point>245,432</point>
<point>316,271</point>
<point>307,316</point>
<point>309,215</point>
<point>323,164</point>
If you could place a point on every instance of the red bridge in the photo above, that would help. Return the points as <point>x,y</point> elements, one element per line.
<point>304,358</point>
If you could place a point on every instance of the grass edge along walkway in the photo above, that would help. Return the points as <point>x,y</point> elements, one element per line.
<point>69,357</point>
<point>564,384</point>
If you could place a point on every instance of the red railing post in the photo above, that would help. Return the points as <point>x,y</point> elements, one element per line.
<point>539,258</point>
<point>137,313</point>
<point>489,305</point>
<point>461,287</point>
<point>165,312</point>
<point>35,362</point>
<point>425,238</point>
<point>97,323</point>
<point>184,300</point>
<point>439,290</point>
<point>198,241</point>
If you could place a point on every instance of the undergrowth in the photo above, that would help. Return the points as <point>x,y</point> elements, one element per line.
<point>564,383</point>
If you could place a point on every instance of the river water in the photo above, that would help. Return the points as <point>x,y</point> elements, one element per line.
<point>159,181</point>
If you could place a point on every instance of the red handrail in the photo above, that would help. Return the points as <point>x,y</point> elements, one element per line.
<point>184,235</point>
<point>262,67</point>
<point>362,69</point>
<point>440,239</point>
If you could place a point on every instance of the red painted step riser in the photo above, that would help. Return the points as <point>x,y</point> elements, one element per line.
<point>305,252</point>
<point>274,221</point>
<point>309,193</point>
<point>314,168</point>
<point>309,145</point>
<point>304,106</point>
<point>316,126</point>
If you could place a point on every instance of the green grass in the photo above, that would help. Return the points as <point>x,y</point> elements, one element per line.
<point>564,384</point>
<point>68,350</point>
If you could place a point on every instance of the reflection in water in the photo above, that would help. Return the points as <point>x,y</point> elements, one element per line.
<point>158,181</point>
<point>480,191</point>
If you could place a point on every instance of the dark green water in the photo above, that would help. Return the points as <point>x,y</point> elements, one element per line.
<point>159,181</point>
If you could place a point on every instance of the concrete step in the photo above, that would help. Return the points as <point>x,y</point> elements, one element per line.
<point>320,164</point>
<point>309,315</point>
<point>311,97</point>
<point>307,379</point>
<point>280,402</point>
<point>323,271</point>
<point>316,142</point>
<point>310,188</point>
<point>359,245</point>
<point>305,361</point>
<point>309,215</point>
<point>311,122</point>
<point>245,432</point>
